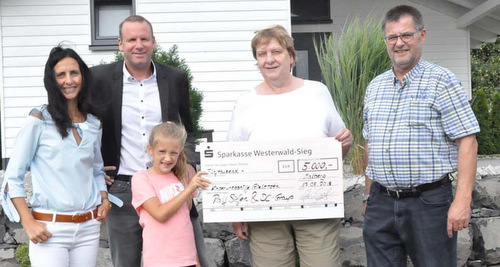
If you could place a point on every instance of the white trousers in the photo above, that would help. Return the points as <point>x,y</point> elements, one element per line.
<point>71,244</point>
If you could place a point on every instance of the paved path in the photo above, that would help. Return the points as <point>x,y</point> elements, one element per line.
<point>486,161</point>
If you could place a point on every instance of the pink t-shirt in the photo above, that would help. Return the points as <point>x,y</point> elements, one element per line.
<point>170,243</point>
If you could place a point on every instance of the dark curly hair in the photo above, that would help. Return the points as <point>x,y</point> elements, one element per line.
<point>57,106</point>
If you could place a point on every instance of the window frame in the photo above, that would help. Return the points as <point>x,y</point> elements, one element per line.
<point>104,43</point>
<point>326,16</point>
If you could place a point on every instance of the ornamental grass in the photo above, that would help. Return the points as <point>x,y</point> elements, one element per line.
<point>349,60</point>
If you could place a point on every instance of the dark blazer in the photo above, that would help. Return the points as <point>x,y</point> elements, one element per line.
<point>107,95</point>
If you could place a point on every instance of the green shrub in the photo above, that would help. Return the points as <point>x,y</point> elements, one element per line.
<point>481,109</point>
<point>495,121</point>
<point>171,58</point>
<point>22,255</point>
<point>348,62</point>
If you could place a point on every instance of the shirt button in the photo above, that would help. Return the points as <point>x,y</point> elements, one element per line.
<point>142,117</point>
<point>141,84</point>
<point>143,134</point>
<point>142,101</point>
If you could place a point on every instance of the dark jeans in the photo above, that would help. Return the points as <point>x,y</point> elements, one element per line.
<point>396,228</point>
<point>125,232</point>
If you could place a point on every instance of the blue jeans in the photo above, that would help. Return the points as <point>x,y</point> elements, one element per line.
<point>397,228</point>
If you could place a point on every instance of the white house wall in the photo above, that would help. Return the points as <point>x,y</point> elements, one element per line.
<point>213,36</point>
<point>2,115</point>
<point>445,44</point>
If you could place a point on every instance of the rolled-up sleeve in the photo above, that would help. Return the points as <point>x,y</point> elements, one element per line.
<point>22,155</point>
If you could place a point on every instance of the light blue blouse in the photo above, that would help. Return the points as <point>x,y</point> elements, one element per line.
<point>66,177</point>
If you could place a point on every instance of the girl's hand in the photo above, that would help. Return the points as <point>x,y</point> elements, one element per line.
<point>37,231</point>
<point>199,182</point>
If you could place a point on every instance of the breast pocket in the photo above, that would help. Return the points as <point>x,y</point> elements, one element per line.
<point>420,113</point>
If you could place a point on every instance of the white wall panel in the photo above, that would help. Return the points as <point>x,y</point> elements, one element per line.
<point>213,36</point>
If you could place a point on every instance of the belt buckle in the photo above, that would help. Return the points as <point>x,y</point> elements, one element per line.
<point>391,192</point>
<point>81,217</point>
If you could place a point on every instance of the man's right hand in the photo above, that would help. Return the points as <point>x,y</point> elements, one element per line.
<point>241,230</point>
<point>107,178</point>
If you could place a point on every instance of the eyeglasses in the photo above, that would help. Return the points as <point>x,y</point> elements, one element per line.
<point>405,37</point>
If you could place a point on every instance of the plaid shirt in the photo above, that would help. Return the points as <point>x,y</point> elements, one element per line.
<point>411,128</point>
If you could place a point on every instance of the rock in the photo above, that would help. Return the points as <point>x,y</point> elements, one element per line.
<point>8,264</point>
<point>215,252</point>
<point>464,246</point>
<point>488,228</point>
<point>489,170</point>
<point>352,247</point>
<point>3,228</point>
<point>475,263</point>
<point>238,253</point>
<point>485,212</point>
<point>352,181</point>
<point>6,254</point>
<point>217,230</point>
<point>486,193</point>
<point>9,239</point>
<point>21,236</point>
<point>353,205</point>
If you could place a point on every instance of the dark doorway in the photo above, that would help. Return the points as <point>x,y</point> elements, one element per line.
<point>306,66</point>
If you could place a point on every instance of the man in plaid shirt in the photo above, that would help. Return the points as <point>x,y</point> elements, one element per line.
<point>419,129</point>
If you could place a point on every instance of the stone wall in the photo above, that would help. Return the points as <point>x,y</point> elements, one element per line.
<point>478,245</point>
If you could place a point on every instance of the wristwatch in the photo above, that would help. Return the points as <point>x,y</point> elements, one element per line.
<point>365,197</point>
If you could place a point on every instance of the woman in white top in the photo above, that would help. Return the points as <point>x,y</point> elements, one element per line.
<point>284,107</point>
<point>60,143</point>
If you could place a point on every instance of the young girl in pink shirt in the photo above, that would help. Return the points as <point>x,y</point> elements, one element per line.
<point>162,198</point>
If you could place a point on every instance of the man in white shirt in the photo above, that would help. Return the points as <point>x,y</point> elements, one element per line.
<point>133,96</point>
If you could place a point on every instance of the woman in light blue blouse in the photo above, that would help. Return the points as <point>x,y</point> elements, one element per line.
<point>60,143</point>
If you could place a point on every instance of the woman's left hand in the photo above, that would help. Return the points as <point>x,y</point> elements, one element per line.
<point>103,210</point>
<point>345,137</point>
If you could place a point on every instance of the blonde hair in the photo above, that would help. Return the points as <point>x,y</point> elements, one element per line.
<point>174,131</point>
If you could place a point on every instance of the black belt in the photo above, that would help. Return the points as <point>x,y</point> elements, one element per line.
<point>122,177</point>
<point>415,191</point>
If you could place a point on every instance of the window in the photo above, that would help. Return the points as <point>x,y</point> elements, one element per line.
<point>311,11</point>
<point>106,16</point>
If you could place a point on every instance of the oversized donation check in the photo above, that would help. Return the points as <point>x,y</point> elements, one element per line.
<point>272,181</point>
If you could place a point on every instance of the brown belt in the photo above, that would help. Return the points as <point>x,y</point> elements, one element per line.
<point>77,218</point>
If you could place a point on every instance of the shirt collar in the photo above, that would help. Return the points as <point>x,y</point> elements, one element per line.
<point>412,74</point>
<point>128,77</point>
